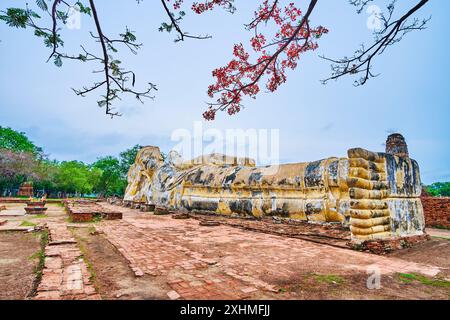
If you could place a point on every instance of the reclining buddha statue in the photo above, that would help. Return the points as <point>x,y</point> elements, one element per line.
<point>376,194</point>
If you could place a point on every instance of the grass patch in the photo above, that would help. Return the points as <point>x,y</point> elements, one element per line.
<point>329,278</point>
<point>28,224</point>
<point>92,230</point>
<point>89,265</point>
<point>97,218</point>
<point>442,238</point>
<point>411,277</point>
<point>40,256</point>
<point>441,227</point>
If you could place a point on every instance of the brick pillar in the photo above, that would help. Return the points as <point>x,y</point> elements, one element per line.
<point>396,145</point>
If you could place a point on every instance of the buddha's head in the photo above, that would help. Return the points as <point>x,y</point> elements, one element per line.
<point>150,159</point>
<point>140,175</point>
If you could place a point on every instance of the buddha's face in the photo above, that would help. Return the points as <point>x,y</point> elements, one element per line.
<point>150,159</point>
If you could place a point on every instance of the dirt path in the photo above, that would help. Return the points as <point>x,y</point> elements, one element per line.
<point>435,252</point>
<point>112,275</point>
<point>17,264</point>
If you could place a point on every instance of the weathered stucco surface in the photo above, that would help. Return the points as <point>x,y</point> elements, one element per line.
<point>376,194</point>
<point>385,192</point>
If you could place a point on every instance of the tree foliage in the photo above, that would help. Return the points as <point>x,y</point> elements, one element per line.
<point>111,181</point>
<point>114,170</point>
<point>21,161</point>
<point>16,167</point>
<point>17,142</point>
<point>19,158</point>
<point>127,159</point>
<point>76,177</point>
<point>439,189</point>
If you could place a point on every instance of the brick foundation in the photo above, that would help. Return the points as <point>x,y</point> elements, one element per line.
<point>113,216</point>
<point>86,211</point>
<point>82,217</point>
<point>437,211</point>
<point>387,246</point>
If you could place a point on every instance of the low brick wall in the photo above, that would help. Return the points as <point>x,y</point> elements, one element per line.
<point>437,211</point>
<point>86,210</point>
<point>387,246</point>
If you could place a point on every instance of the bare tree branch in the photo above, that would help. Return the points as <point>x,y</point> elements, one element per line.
<point>236,92</point>
<point>391,33</point>
<point>175,24</point>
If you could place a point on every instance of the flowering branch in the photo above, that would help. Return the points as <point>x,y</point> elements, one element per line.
<point>241,78</point>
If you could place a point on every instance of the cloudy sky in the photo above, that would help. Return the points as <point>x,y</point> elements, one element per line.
<point>410,96</point>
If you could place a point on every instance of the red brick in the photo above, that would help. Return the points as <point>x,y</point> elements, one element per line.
<point>437,211</point>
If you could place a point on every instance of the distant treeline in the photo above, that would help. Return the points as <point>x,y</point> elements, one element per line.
<point>439,189</point>
<point>22,161</point>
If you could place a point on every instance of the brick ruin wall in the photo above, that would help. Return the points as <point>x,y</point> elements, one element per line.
<point>437,211</point>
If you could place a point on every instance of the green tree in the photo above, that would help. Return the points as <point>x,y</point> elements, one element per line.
<point>94,179</point>
<point>111,181</point>
<point>17,142</point>
<point>46,172</point>
<point>439,189</point>
<point>127,159</point>
<point>75,177</point>
<point>21,160</point>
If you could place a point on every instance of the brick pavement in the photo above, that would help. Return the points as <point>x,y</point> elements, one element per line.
<point>65,275</point>
<point>227,263</point>
<point>333,235</point>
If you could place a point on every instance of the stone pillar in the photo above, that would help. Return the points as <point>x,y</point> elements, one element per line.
<point>396,145</point>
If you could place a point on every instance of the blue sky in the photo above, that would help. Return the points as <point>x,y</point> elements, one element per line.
<point>410,96</point>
